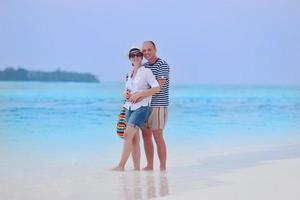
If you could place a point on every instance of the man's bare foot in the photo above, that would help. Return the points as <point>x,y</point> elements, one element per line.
<point>162,168</point>
<point>136,169</point>
<point>147,168</point>
<point>118,168</point>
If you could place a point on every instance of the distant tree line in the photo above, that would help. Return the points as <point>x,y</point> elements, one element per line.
<point>21,74</point>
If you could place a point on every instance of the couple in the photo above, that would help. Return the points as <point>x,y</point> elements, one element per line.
<point>147,99</point>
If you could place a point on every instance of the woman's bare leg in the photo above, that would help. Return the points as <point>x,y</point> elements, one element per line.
<point>136,151</point>
<point>127,147</point>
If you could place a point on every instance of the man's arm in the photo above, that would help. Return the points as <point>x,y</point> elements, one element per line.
<point>134,98</point>
<point>161,82</point>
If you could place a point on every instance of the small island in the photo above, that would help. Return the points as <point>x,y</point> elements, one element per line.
<point>21,74</point>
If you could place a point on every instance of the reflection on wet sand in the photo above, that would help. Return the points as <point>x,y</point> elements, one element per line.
<point>144,185</point>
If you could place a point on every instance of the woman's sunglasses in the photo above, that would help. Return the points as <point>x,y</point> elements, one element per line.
<point>132,55</point>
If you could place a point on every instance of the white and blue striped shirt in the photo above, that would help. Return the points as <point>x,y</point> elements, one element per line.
<point>161,70</point>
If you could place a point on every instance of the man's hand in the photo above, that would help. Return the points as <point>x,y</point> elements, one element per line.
<point>134,98</point>
<point>140,99</point>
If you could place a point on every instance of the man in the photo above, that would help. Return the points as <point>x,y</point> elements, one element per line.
<point>156,121</point>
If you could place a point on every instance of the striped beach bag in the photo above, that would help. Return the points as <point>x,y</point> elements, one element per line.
<point>121,124</point>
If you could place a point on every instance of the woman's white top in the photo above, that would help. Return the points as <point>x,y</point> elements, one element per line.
<point>143,80</point>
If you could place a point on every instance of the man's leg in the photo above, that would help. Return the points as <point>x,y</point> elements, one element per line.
<point>161,148</point>
<point>148,146</point>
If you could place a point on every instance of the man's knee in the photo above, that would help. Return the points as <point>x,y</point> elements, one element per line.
<point>158,135</point>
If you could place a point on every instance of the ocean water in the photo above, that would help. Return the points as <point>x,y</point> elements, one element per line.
<point>35,111</point>
<point>54,129</point>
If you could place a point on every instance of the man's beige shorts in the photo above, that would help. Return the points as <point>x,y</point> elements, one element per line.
<point>157,118</point>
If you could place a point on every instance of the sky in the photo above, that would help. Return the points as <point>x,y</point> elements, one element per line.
<point>254,42</point>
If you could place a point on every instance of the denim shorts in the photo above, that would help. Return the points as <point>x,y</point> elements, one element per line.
<point>137,117</point>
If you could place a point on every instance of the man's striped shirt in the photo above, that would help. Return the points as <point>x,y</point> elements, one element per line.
<point>160,70</point>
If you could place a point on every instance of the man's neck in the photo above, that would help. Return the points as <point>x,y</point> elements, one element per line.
<point>152,61</point>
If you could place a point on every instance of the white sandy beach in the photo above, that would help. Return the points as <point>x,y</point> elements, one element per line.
<point>268,173</point>
<point>273,180</point>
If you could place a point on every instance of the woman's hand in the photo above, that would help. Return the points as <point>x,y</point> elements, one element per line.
<point>126,94</point>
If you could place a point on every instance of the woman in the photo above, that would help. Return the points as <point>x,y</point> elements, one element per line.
<point>140,86</point>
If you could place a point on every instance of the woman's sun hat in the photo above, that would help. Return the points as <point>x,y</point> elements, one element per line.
<point>135,50</point>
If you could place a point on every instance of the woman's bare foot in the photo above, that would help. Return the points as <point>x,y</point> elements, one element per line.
<point>118,168</point>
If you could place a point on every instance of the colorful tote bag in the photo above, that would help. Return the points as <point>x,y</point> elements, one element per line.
<point>121,124</point>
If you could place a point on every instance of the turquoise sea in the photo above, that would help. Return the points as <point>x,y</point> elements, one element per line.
<point>60,128</point>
